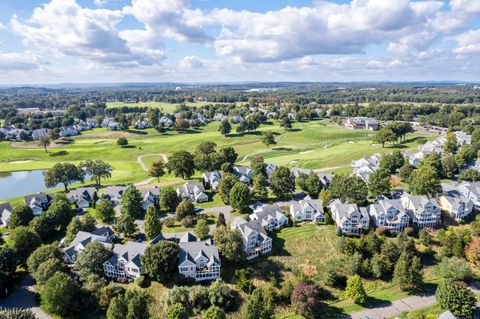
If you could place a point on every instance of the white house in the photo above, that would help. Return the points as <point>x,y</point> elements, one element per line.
<point>126,261</point>
<point>102,235</point>
<point>270,216</point>
<point>38,202</point>
<point>389,213</point>
<point>193,192</point>
<point>199,260</point>
<point>424,212</point>
<point>38,133</point>
<point>364,123</point>
<point>471,190</point>
<point>83,197</point>
<point>150,197</point>
<point>350,218</point>
<point>308,210</point>
<point>212,179</point>
<point>5,212</point>
<point>365,166</point>
<point>114,194</point>
<point>243,173</point>
<point>255,238</point>
<point>457,205</point>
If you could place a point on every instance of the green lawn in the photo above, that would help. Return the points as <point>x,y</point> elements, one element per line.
<point>166,107</point>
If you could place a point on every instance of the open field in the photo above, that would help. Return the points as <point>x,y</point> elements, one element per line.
<point>315,144</point>
<point>164,106</point>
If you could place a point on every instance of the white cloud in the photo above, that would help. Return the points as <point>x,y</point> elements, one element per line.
<point>327,28</point>
<point>466,7</point>
<point>25,61</point>
<point>468,42</point>
<point>190,62</point>
<point>2,26</point>
<point>100,3</point>
<point>66,28</point>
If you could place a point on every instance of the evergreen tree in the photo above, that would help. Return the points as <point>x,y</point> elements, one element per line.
<point>225,186</point>
<point>202,229</point>
<point>169,199</point>
<point>259,189</point>
<point>257,306</point>
<point>132,202</point>
<point>117,308</point>
<point>104,211</point>
<point>456,297</point>
<point>355,290</point>
<point>408,271</point>
<point>153,227</point>
<point>125,224</point>
<point>184,209</point>
<point>221,220</point>
<point>379,183</point>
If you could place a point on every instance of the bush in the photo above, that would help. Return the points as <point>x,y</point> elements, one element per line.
<point>141,282</point>
<point>221,295</point>
<point>306,300</point>
<point>168,222</point>
<point>214,312</point>
<point>409,231</point>
<point>382,231</point>
<point>177,294</point>
<point>177,311</point>
<point>188,222</point>
<point>242,280</point>
<point>456,297</point>
<point>455,269</point>
<point>355,290</point>
<point>198,297</point>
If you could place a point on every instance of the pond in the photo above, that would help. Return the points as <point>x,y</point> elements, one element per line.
<point>16,184</point>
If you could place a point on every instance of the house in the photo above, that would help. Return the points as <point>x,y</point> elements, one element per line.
<point>463,138</point>
<point>219,117</point>
<point>326,179</point>
<point>126,261</point>
<point>151,197</point>
<point>110,124</point>
<point>457,205</point>
<point>236,119</point>
<point>413,158</point>
<point>350,218</point>
<point>142,124</point>
<point>199,260</point>
<point>361,123</point>
<point>255,238</point>
<point>114,194</point>
<point>299,171</point>
<point>166,121</point>
<point>102,235</point>
<point>364,167</point>
<point>308,210</point>
<point>83,197</point>
<point>424,212</point>
<point>270,216</point>
<point>68,131</point>
<point>5,212</point>
<point>38,202</point>
<point>433,147</point>
<point>212,179</point>
<point>243,173</point>
<point>471,190</point>
<point>446,315</point>
<point>269,168</point>
<point>193,192</point>
<point>39,133</point>
<point>389,213</point>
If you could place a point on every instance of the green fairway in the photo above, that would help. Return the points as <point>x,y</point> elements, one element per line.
<point>164,106</point>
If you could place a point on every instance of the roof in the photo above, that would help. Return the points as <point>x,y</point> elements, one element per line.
<point>114,191</point>
<point>154,191</point>
<point>419,201</point>
<point>193,250</point>
<point>131,252</point>
<point>41,197</point>
<point>5,206</point>
<point>301,205</point>
<point>447,315</point>
<point>83,193</point>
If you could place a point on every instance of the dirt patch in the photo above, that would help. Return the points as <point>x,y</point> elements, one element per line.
<point>113,134</point>
<point>32,145</point>
<point>20,162</point>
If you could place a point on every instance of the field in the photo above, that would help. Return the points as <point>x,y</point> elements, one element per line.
<point>164,106</point>
<point>315,145</point>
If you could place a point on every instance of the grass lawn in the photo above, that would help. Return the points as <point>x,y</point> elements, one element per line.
<point>164,106</point>
<point>434,310</point>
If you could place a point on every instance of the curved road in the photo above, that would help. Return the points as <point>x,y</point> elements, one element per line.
<point>145,168</point>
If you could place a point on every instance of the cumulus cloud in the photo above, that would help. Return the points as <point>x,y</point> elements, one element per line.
<point>66,28</point>
<point>190,62</point>
<point>20,61</point>
<point>327,28</point>
<point>468,42</point>
<point>100,3</point>
<point>2,26</point>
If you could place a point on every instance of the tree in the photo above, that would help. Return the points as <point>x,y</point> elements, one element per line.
<point>450,146</point>
<point>449,166</point>
<point>472,251</point>
<point>21,215</point>
<point>8,260</point>
<point>44,226</point>
<point>125,224</point>
<point>153,116</point>
<point>177,311</point>
<point>41,255</point>
<point>282,182</point>
<point>184,209</point>
<point>117,308</point>
<point>104,211</point>
<point>221,220</point>
<point>259,188</point>
<point>47,269</point>
<point>132,202</point>
<point>326,196</point>
<point>91,259</point>
<point>214,312</point>
<point>137,304</point>
<point>286,123</point>
<point>455,268</point>
<point>456,297</point>
<point>392,162</point>
<point>469,175</point>
<point>229,243</point>
<point>221,295</point>
<point>182,165</point>
<point>60,295</point>
<point>153,227</point>
<point>424,181</point>
<point>225,186</point>
<point>225,128</point>
<point>257,306</point>
<point>405,171</point>
<point>384,135</point>
<point>160,260</point>
<point>380,265</point>
<point>379,183</point>
<point>97,170</point>
<point>355,290</point>
<point>268,138</point>
<point>122,142</point>
<point>226,155</point>
<point>205,157</point>
<point>169,199</point>
<point>157,170</point>
<point>61,211</point>
<point>407,273</point>
<point>44,142</point>
<point>306,300</point>
<point>240,197</point>
<point>465,154</point>
<point>310,184</point>
<point>201,229</point>
<point>24,241</point>
<point>181,124</point>
<point>64,173</point>
<point>348,188</point>
<point>77,224</point>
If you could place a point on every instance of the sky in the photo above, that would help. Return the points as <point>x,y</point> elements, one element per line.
<point>113,41</point>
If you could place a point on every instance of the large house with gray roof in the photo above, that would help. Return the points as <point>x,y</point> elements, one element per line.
<point>389,213</point>
<point>350,218</point>
<point>424,212</point>
<point>83,197</point>
<point>212,179</point>
<point>38,202</point>
<point>471,190</point>
<point>194,192</point>
<point>102,235</point>
<point>243,173</point>
<point>114,194</point>
<point>455,204</point>
<point>199,260</point>
<point>365,166</point>
<point>5,212</point>
<point>270,216</point>
<point>308,210</point>
<point>361,123</point>
<point>151,197</point>
<point>255,239</point>
<point>126,262</point>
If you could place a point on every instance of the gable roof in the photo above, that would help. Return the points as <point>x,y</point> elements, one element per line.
<point>131,252</point>
<point>194,250</point>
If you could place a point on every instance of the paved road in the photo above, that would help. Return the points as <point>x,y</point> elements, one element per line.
<point>25,297</point>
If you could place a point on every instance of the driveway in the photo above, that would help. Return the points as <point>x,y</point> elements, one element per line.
<point>24,296</point>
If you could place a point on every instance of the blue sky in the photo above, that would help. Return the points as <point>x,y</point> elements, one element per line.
<point>81,41</point>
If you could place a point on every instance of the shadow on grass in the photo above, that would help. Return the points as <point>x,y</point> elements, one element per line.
<point>281,149</point>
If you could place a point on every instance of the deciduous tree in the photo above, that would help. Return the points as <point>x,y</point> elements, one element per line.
<point>240,197</point>
<point>181,163</point>
<point>63,173</point>
<point>160,260</point>
<point>282,182</point>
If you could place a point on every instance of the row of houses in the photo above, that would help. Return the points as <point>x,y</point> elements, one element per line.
<point>199,260</point>
<point>361,123</point>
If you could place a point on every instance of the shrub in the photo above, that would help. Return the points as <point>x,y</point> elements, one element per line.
<point>198,297</point>
<point>188,222</point>
<point>141,282</point>
<point>306,299</point>
<point>168,222</point>
<point>177,311</point>
<point>456,297</point>
<point>382,231</point>
<point>355,290</point>
<point>409,231</point>
<point>214,312</point>
<point>221,295</point>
